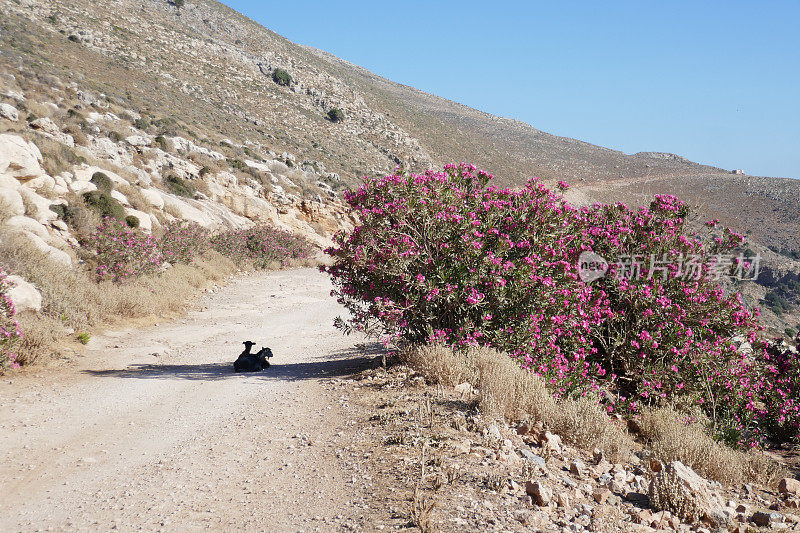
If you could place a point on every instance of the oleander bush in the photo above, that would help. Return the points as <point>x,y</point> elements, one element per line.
<point>445,257</point>
<point>121,252</point>
<point>262,247</point>
<point>182,241</point>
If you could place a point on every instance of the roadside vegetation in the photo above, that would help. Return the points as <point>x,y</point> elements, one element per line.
<point>446,259</point>
<point>127,274</point>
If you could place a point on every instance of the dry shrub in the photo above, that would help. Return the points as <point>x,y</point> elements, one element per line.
<point>439,364</point>
<point>68,295</point>
<point>671,438</point>
<point>78,136</point>
<point>71,299</point>
<point>41,334</point>
<point>583,423</point>
<point>505,389</point>
<point>134,196</point>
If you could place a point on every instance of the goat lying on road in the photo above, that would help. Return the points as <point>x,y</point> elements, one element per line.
<point>252,362</point>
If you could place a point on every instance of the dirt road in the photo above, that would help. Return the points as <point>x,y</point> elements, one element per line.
<point>151,429</point>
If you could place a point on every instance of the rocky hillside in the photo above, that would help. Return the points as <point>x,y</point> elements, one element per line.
<point>212,68</point>
<point>265,129</point>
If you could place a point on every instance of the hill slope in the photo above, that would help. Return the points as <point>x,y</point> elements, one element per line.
<point>211,67</point>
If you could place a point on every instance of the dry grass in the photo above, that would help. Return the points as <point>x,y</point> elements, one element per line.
<point>70,299</point>
<point>134,196</point>
<point>42,334</point>
<point>672,439</point>
<point>504,389</point>
<point>422,507</point>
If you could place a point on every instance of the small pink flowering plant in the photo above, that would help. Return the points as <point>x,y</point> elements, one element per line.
<point>10,334</point>
<point>122,252</point>
<point>262,245</point>
<point>446,257</point>
<point>182,241</point>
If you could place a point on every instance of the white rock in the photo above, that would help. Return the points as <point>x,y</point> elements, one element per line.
<point>82,187</point>
<point>185,211</point>
<point>18,158</point>
<point>60,187</point>
<point>152,197</point>
<point>37,207</point>
<point>42,182</point>
<point>24,295</point>
<point>145,223</point>
<point>11,202</point>
<point>47,127</point>
<point>85,173</point>
<point>28,224</point>
<point>9,111</point>
<point>121,198</point>
<point>59,256</point>
<point>138,140</point>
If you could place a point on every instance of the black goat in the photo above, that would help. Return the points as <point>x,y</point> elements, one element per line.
<point>263,356</point>
<point>247,362</point>
<point>252,362</point>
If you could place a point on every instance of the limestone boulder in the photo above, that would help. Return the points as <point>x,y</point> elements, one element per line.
<point>19,159</point>
<point>145,222</point>
<point>85,173</point>
<point>152,197</point>
<point>11,202</point>
<point>37,207</point>
<point>27,224</point>
<point>9,112</point>
<point>25,296</point>
<point>58,256</point>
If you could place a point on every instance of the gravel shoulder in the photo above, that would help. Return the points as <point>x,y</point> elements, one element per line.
<point>152,429</point>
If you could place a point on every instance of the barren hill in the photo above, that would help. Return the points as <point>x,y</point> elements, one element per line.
<point>211,68</point>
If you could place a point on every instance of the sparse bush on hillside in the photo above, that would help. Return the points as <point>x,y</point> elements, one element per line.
<point>132,221</point>
<point>180,187</point>
<point>102,182</point>
<point>142,123</point>
<point>262,247</point>
<point>162,143</point>
<point>336,115</point>
<point>10,333</point>
<point>104,205</point>
<point>443,257</point>
<point>281,77</point>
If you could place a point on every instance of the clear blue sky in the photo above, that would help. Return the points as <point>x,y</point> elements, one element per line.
<point>717,82</point>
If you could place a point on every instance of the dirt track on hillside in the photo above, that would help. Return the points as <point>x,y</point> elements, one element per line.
<point>152,429</point>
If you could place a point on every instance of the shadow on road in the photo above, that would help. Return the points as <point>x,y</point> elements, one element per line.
<point>342,363</point>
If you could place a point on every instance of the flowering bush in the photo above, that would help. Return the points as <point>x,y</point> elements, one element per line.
<point>182,241</point>
<point>445,257</point>
<point>780,381</point>
<point>10,333</point>
<point>666,333</point>
<point>122,252</point>
<point>261,245</point>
